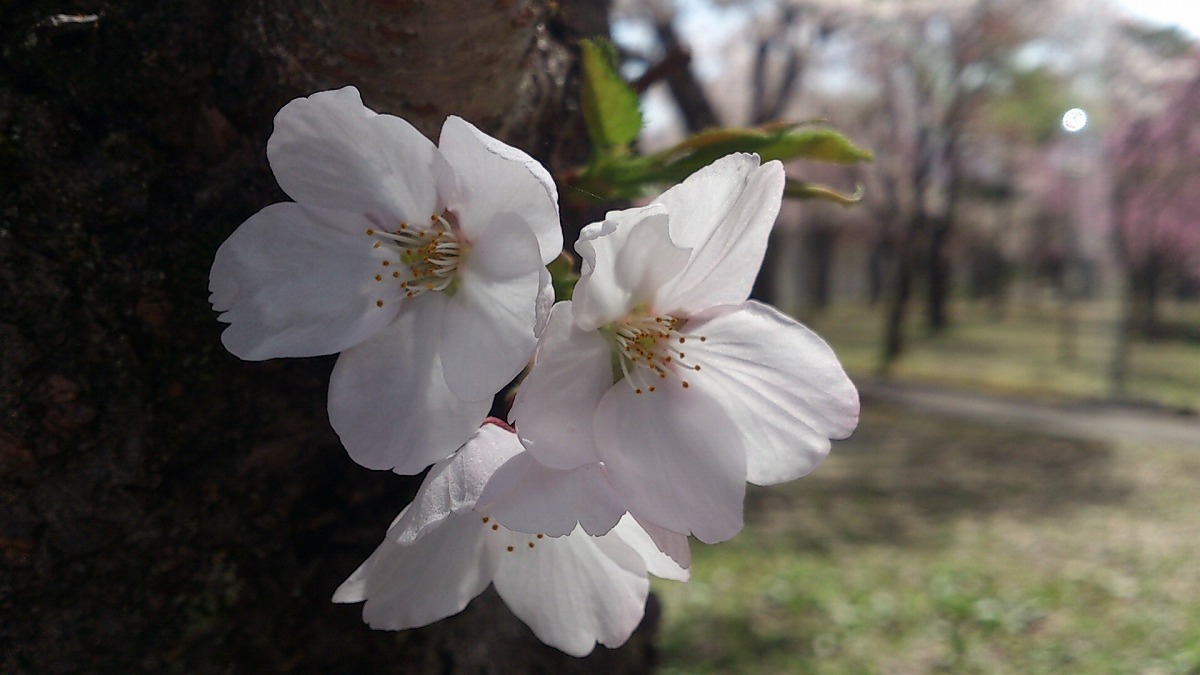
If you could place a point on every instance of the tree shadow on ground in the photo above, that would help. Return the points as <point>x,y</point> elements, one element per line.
<point>903,474</point>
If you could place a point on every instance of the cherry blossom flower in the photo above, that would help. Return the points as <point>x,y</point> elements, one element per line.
<point>441,552</point>
<point>526,496</point>
<point>424,266</point>
<point>664,372</point>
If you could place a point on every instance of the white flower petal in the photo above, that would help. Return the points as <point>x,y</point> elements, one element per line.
<point>626,259</point>
<point>673,544</point>
<point>291,284</point>
<point>675,459</point>
<point>388,399</point>
<point>659,562</point>
<point>454,485</point>
<point>436,577</point>
<point>490,448</point>
<point>526,496</point>
<point>597,294</point>
<point>575,591</point>
<point>330,151</point>
<point>724,213</point>
<point>554,407</point>
<point>488,329</point>
<point>780,384</point>
<point>492,178</point>
<point>431,505</point>
<point>354,588</point>
<point>545,299</point>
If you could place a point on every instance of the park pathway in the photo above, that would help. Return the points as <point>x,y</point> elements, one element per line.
<point>1091,420</point>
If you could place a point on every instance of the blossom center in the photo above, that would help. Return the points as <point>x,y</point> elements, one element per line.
<point>422,259</point>
<point>649,349</point>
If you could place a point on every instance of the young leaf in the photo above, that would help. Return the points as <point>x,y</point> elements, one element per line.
<point>610,107</point>
<point>795,189</point>
<point>770,142</point>
<point>822,145</point>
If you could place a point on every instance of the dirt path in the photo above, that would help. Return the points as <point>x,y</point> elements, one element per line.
<point>1087,420</point>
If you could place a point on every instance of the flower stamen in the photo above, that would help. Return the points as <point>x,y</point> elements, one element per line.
<point>646,351</point>
<point>430,256</point>
<point>507,534</point>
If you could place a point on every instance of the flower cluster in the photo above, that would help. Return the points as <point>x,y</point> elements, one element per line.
<point>655,394</point>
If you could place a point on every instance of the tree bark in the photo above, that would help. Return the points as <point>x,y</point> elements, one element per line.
<point>1146,281</point>
<point>698,113</point>
<point>902,282</point>
<point>819,245</point>
<point>938,275</point>
<point>766,107</point>
<point>166,506</point>
<point>877,265</point>
<point>1122,343</point>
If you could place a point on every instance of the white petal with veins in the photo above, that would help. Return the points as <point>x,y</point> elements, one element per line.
<point>788,402</point>
<point>389,401</point>
<point>329,150</point>
<point>291,284</point>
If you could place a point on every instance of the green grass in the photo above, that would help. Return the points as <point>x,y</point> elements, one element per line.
<point>1022,353</point>
<point>924,545</point>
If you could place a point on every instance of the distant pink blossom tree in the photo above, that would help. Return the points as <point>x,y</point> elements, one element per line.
<point>1156,165</point>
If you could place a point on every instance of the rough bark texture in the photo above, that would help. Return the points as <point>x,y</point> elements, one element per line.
<point>163,506</point>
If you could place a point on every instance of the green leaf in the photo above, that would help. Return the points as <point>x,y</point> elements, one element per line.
<point>795,189</point>
<point>610,107</point>
<point>782,142</point>
<point>563,276</point>
<point>626,176</point>
<point>822,145</point>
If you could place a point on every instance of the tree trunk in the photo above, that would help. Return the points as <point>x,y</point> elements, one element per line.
<point>768,107</point>
<point>902,275</point>
<point>880,260</point>
<point>1122,345</point>
<point>938,270</point>
<point>165,505</point>
<point>1068,325</point>
<point>893,342</point>
<point>818,247</point>
<point>698,113</point>
<point>1145,285</point>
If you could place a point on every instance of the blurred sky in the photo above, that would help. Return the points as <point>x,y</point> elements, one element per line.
<point>1183,13</point>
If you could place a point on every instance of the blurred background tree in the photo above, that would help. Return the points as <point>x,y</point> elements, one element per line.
<point>976,188</point>
<point>1029,271</point>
